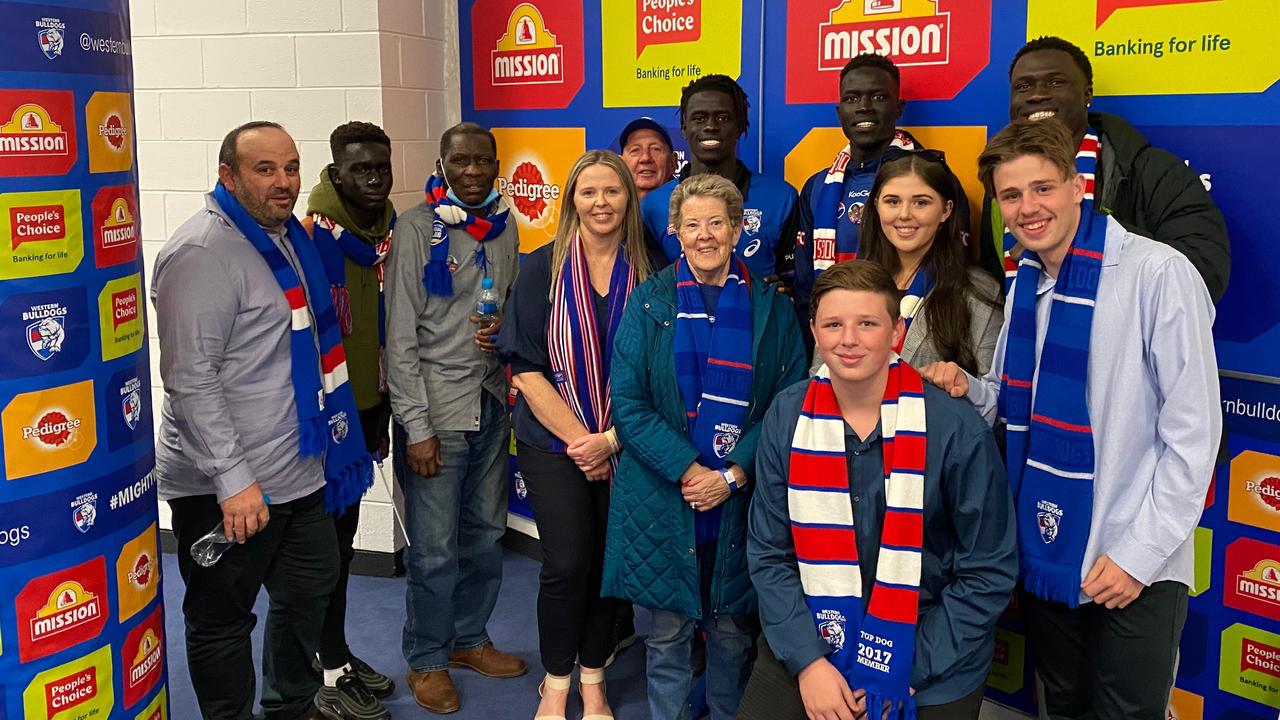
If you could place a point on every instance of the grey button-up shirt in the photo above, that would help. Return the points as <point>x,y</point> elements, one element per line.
<point>229,416</point>
<point>435,371</point>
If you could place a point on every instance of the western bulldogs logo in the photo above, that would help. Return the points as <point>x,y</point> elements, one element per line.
<point>725,439</point>
<point>522,490</point>
<point>339,427</point>
<point>437,232</point>
<point>751,219</point>
<point>50,34</point>
<point>46,335</point>
<point>1048,520</point>
<point>84,511</point>
<point>131,409</point>
<point>831,624</point>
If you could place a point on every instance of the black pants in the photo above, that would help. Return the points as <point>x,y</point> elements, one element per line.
<point>1107,664</point>
<point>295,556</point>
<point>774,694</point>
<point>333,635</point>
<point>572,513</point>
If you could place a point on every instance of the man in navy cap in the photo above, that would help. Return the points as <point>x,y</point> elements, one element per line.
<point>646,148</point>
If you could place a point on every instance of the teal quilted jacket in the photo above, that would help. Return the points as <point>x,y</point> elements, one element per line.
<point>649,554</point>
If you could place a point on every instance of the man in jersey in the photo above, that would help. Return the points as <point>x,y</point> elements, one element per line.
<point>832,199</point>
<point>713,116</point>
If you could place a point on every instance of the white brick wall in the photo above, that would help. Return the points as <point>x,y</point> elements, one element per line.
<point>201,68</point>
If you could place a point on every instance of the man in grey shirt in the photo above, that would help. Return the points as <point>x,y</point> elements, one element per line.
<point>229,441</point>
<point>449,395</point>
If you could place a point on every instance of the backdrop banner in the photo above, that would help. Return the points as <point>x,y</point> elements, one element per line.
<point>81,616</point>
<point>1196,76</point>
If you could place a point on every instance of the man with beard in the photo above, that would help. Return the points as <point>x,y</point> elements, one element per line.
<point>713,116</point>
<point>350,220</point>
<point>1149,190</point>
<point>257,413</point>
<point>832,199</point>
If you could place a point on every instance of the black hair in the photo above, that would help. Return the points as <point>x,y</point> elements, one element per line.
<point>227,153</point>
<point>356,132</point>
<point>723,84</point>
<point>947,311</point>
<point>1049,42</point>
<point>466,128</point>
<point>873,60</point>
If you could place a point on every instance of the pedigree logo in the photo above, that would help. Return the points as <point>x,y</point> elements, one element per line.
<point>77,690</point>
<point>120,317</point>
<point>42,231</point>
<point>529,192</point>
<point>142,657</point>
<point>61,609</point>
<point>38,137</point>
<point>115,225</point>
<point>48,430</point>
<point>108,123</point>
<point>137,573</point>
<point>940,45</point>
<point>528,53</point>
<point>1252,573</point>
<point>667,22</point>
<point>1254,494</point>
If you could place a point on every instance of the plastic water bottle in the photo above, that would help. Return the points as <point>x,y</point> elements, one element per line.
<point>209,549</point>
<point>487,304</point>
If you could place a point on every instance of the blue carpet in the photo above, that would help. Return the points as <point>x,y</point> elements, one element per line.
<point>375,617</point>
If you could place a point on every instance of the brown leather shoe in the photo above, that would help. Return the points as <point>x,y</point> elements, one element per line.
<point>433,690</point>
<point>488,661</point>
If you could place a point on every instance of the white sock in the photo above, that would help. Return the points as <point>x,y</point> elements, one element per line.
<point>331,676</point>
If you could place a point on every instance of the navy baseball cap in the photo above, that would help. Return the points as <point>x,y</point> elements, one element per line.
<point>643,123</point>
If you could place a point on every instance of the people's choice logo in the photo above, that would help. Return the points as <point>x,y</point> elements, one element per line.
<point>44,233</point>
<point>120,316</point>
<point>77,690</point>
<point>939,45</point>
<point>61,609</point>
<point>1157,47</point>
<point>108,123</point>
<point>666,22</point>
<point>526,54</point>
<point>48,430</point>
<point>37,132</point>
<point>1250,664</point>
<point>650,49</point>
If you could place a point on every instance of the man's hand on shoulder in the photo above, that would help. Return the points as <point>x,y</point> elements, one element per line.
<point>948,376</point>
<point>827,696</point>
<point>244,514</point>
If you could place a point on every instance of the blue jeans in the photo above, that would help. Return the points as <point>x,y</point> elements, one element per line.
<point>454,522</point>
<point>670,677</point>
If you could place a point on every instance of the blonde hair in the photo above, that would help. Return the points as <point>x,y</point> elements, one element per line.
<point>706,185</point>
<point>632,228</point>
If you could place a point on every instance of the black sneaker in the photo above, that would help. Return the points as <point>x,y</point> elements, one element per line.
<point>349,700</point>
<point>379,685</point>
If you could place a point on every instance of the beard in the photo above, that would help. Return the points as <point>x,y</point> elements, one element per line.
<point>262,209</point>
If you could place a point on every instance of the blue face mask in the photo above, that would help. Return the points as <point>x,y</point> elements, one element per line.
<point>488,200</point>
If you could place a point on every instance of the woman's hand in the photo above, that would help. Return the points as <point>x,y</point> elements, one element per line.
<point>603,471</point>
<point>705,490</point>
<point>590,450</point>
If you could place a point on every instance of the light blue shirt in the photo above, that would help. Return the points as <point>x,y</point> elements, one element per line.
<point>1152,393</point>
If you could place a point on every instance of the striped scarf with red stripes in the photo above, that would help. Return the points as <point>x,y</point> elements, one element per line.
<point>1050,454</point>
<point>328,424</point>
<point>437,276</point>
<point>1086,167</point>
<point>874,650</point>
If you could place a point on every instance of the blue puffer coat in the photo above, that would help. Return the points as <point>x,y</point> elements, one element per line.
<point>650,557</point>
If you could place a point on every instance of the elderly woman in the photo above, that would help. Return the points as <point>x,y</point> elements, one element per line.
<point>565,311</point>
<point>701,352</point>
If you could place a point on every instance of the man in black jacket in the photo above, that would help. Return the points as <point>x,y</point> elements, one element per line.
<point>1148,189</point>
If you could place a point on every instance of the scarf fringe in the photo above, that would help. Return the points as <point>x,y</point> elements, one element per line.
<point>342,308</point>
<point>1052,583</point>
<point>437,279</point>
<point>349,484</point>
<point>905,708</point>
<point>313,436</point>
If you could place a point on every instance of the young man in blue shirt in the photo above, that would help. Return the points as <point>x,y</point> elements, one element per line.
<point>881,540</point>
<point>1105,381</point>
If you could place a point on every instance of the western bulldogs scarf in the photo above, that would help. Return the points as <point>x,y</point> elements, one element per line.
<point>1086,166</point>
<point>873,650</point>
<point>328,423</point>
<point>580,358</point>
<point>835,236</point>
<point>437,277</point>
<point>912,299</point>
<point>336,244</point>
<point>713,370</point>
<point>1049,454</point>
